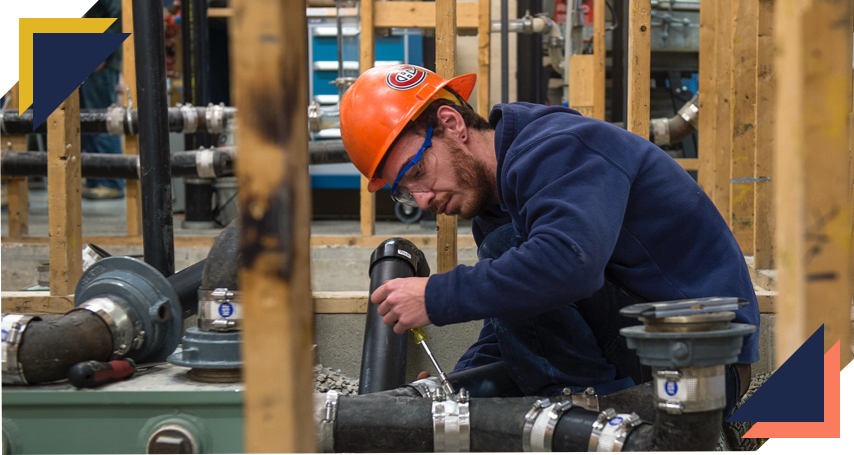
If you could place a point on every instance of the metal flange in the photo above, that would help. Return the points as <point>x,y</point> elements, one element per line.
<point>147,298</point>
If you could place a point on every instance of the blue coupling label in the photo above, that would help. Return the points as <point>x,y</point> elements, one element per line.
<point>225,309</point>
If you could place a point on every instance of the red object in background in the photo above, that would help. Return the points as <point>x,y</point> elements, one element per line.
<point>560,11</point>
<point>586,8</point>
<point>172,29</point>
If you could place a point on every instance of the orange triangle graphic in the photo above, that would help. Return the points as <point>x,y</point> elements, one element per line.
<point>827,429</point>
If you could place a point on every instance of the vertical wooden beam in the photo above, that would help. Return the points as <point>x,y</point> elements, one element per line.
<point>723,93</point>
<point>744,19</point>
<point>269,51</point>
<point>446,66</point>
<point>63,196</point>
<point>484,28</point>
<point>763,244</point>
<point>708,98</point>
<point>367,57</point>
<point>811,180</point>
<point>639,42</point>
<point>599,62</point>
<point>16,189</point>
<point>133,195</point>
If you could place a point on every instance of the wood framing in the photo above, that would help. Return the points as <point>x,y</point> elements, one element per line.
<point>422,15</point>
<point>582,81</point>
<point>743,120</point>
<point>340,302</point>
<point>723,93</point>
<point>270,76</point>
<point>16,187</point>
<point>599,59</point>
<point>706,134</point>
<point>639,66</point>
<point>446,67</point>
<point>367,57</point>
<point>813,248</point>
<point>763,243</point>
<point>64,214</point>
<point>130,143</point>
<point>35,302</point>
<point>484,25</point>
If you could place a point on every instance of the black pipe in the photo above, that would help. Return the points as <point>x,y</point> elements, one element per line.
<point>529,51</point>
<point>195,47</point>
<point>97,165</point>
<point>698,431</point>
<point>383,351</point>
<point>487,381</point>
<point>95,121</point>
<point>157,230</point>
<point>186,284</point>
<point>220,269</point>
<point>49,349</point>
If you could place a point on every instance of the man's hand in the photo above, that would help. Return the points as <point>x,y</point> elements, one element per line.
<point>401,303</point>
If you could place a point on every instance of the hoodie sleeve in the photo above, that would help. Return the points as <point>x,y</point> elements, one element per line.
<point>570,200</point>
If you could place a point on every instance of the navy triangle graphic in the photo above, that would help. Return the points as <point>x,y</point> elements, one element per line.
<point>61,62</point>
<point>795,393</point>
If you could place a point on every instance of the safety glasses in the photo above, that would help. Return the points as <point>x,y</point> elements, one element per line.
<point>414,171</point>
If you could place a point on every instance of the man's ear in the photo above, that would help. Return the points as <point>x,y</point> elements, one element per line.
<point>452,123</point>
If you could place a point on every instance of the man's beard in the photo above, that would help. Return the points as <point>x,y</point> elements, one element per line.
<point>471,174</point>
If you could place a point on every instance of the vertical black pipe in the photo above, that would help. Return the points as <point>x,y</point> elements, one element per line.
<point>196,67</point>
<point>619,56</point>
<point>157,230</point>
<point>529,61</point>
<point>505,53</point>
<point>383,351</point>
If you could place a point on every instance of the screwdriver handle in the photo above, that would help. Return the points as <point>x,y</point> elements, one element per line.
<point>93,373</point>
<point>419,334</point>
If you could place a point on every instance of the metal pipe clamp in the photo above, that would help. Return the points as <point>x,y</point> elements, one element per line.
<point>615,432</point>
<point>327,425</point>
<point>544,426</point>
<point>118,320</point>
<point>451,422</point>
<point>603,418</point>
<point>191,120</point>
<point>530,418</point>
<point>693,389</point>
<point>220,310</point>
<point>13,326</point>
<point>116,120</point>
<point>205,163</point>
<point>214,118</point>
<point>426,386</point>
<point>690,114</point>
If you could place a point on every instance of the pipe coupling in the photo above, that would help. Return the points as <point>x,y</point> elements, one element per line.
<point>689,390</point>
<point>326,428</point>
<point>427,386</point>
<point>116,120</point>
<point>205,163</point>
<point>602,420</point>
<point>125,337</point>
<point>13,326</point>
<point>544,421</point>
<point>220,310</point>
<point>191,120</point>
<point>215,118</point>
<point>661,131</point>
<point>531,418</point>
<point>451,421</point>
<point>314,117</point>
<point>92,254</point>
<point>613,435</point>
<point>691,113</point>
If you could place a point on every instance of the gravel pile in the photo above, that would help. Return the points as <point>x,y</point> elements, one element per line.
<point>731,433</point>
<point>326,379</point>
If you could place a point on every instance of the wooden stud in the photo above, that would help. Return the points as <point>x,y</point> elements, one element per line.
<point>269,42</point>
<point>367,57</point>
<point>212,12</point>
<point>446,67</point>
<point>16,188</point>
<point>133,192</point>
<point>484,27</point>
<point>63,192</point>
<point>744,19</point>
<point>723,93</point>
<point>599,56</point>
<point>811,181</point>
<point>582,83</point>
<point>763,244</point>
<point>639,67</point>
<point>422,15</point>
<point>340,302</point>
<point>706,136</point>
<point>35,302</point>
<point>689,164</point>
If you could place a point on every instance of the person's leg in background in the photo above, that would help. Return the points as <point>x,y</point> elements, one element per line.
<point>99,92</point>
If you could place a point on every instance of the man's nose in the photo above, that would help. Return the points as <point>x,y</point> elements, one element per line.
<point>424,199</point>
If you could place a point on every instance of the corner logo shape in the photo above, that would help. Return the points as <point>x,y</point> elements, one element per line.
<point>55,56</point>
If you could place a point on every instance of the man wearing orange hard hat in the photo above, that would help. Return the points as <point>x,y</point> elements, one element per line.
<point>574,219</point>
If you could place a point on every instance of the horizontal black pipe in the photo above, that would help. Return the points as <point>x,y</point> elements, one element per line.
<point>49,349</point>
<point>186,284</point>
<point>117,166</point>
<point>96,121</point>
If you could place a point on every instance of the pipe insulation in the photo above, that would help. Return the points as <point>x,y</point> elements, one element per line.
<point>213,118</point>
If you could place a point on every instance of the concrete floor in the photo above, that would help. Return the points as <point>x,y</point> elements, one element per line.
<point>334,268</point>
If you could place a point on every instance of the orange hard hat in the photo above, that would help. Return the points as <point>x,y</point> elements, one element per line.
<point>376,108</point>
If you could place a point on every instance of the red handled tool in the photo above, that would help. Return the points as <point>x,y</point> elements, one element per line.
<point>87,375</point>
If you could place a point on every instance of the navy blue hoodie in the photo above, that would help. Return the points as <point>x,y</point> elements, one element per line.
<point>591,200</point>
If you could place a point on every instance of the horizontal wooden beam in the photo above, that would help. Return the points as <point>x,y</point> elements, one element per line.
<point>113,240</point>
<point>766,301</point>
<point>340,302</point>
<point>35,302</point>
<point>689,164</point>
<point>420,15</point>
<point>227,12</point>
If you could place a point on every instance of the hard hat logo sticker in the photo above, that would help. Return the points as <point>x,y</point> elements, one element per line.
<point>405,77</point>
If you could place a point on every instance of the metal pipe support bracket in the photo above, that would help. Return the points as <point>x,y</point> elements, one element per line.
<point>451,421</point>
<point>614,434</point>
<point>13,326</point>
<point>326,428</point>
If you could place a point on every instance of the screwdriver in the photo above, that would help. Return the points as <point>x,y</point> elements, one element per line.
<point>93,373</point>
<point>420,338</point>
